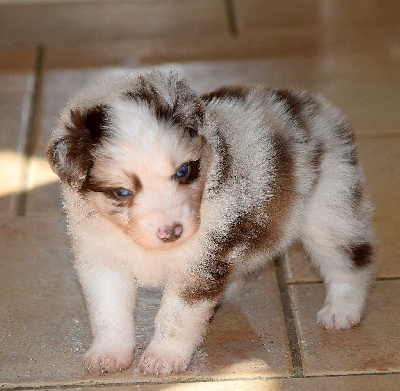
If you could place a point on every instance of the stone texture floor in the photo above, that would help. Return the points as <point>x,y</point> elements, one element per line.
<point>268,338</point>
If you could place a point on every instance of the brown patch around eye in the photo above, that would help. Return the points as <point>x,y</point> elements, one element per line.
<point>95,186</point>
<point>136,184</point>
<point>119,201</point>
<point>192,174</point>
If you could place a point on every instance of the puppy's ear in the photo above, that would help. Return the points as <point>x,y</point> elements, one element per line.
<point>71,154</point>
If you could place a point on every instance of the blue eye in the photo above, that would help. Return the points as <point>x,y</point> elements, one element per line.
<point>187,172</point>
<point>121,192</point>
<point>182,171</point>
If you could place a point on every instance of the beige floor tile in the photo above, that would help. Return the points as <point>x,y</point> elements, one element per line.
<point>45,330</point>
<point>19,59</point>
<point>372,347</point>
<point>87,21</point>
<point>334,14</point>
<point>359,13</point>
<point>369,104</point>
<point>16,88</point>
<point>273,14</point>
<point>183,48</point>
<point>11,168</point>
<point>298,267</point>
<point>339,383</point>
<point>390,63</point>
<point>376,45</point>
<point>259,300</point>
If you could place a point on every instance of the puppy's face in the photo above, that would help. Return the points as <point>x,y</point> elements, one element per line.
<point>148,178</point>
<point>141,171</point>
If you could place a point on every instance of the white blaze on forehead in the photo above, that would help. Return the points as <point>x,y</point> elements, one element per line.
<point>138,141</point>
<point>141,144</point>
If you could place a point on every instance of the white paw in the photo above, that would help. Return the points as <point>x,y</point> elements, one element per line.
<point>99,361</point>
<point>161,362</point>
<point>337,318</point>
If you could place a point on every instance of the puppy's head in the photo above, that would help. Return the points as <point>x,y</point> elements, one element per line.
<point>136,156</point>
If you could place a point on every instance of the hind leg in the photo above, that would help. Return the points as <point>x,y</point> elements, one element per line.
<point>346,282</point>
<point>340,243</point>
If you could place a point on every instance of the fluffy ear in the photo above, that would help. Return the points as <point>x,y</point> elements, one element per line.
<point>70,153</point>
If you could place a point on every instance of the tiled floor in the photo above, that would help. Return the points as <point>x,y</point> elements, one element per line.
<point>268,339</point>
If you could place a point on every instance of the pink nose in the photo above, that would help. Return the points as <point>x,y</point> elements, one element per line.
<point>170,233</point>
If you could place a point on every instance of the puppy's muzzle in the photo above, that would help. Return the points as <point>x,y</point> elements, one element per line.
<point>170,233</point>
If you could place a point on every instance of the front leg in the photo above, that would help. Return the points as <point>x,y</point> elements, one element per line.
<point>180,327</point>
<point>111,298</point>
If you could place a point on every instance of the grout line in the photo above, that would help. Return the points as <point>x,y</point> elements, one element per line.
<point>387,278</point>
<point>94,383</point>
<point>31,133</point>
<point>232,20</point>
<point>289,319</point>
<point>320,282</point>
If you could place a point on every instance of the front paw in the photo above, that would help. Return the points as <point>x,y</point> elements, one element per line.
<point>99,361</point>
<point>159,361</point>
<point>338,317</point>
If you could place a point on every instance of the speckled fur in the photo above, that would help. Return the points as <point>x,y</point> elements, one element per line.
<point>271,166</point>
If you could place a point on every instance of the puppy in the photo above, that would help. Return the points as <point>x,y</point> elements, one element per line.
<point>167,189</point>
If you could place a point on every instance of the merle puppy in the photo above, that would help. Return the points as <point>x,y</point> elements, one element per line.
<point>165,188</point>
